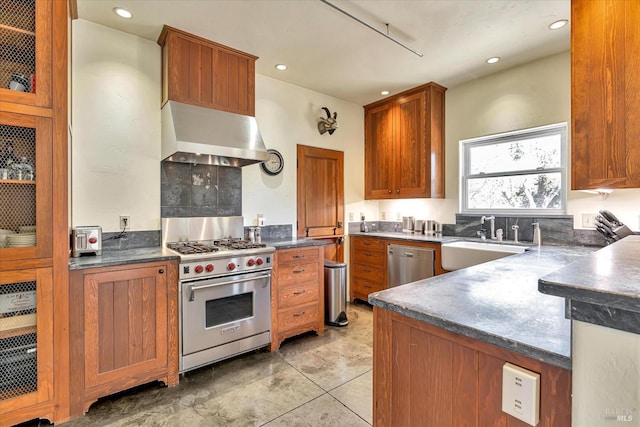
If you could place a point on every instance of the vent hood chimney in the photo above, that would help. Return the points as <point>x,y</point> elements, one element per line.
<point>198,135</point>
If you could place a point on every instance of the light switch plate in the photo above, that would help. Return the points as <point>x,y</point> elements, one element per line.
<point>521,393</point>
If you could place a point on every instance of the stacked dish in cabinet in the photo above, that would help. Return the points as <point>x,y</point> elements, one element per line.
<point>25,236</point>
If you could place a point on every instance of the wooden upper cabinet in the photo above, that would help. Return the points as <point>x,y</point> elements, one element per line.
<point>201,72</point>
<point>605,94</point>
<point>26,28</point>
<point>404,145</point>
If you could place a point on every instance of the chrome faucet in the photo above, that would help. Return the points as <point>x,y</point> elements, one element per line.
<point>515,233</point>
<point>492,225</point>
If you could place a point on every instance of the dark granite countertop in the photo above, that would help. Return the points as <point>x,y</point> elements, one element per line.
<point>497,302</point>
<point>608,281</point>
<point>295,243</point>
<point>122,257</point>
<point>408,236</point>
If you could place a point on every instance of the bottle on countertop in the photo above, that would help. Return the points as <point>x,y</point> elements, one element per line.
<point>364,228</point>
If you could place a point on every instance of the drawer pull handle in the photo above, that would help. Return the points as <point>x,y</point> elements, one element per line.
<point>367,286</point>
<point>298,256</point>
<point>298,314</point>
<point>367,254</point>
<point>298,271</point>
<point>366,243</point>
<point>367,271</point>
<point>300,292</point>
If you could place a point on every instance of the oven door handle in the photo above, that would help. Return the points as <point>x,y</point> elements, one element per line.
<point>194,288</point>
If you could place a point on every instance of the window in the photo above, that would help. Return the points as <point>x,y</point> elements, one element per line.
<point>515,172</point>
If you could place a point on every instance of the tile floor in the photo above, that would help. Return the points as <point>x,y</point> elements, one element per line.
<point>310,381</point>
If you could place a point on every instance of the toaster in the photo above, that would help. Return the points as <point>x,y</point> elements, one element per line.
<point>86,240</point>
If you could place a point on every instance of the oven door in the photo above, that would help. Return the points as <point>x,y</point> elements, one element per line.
<point>221,310</point>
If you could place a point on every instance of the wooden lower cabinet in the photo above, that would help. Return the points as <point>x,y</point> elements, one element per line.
<point>426,376</point>
<point>297,293</point>
<point>26,346</point>
<point>123,329</point>
<point>368,264</point>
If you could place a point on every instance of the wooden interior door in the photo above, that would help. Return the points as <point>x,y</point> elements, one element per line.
<point>321,198</point>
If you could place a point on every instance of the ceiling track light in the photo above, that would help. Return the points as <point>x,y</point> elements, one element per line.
<point>396,41</point>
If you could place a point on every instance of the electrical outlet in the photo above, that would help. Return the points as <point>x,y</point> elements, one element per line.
<point>350,216</point>
<point>589,220</point>
<point>383,215</point>
<point>125,223</point>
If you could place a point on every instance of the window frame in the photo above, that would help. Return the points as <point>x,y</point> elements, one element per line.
<point>513,136</point>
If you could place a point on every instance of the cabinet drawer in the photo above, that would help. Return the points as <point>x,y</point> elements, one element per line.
<point>364,286</point>
<point>296,256</point>
<point>368,256</point>
<point>373,274</point>
<point>367,244</point>
<point>298,295</point>
<point>296,317</point>
<point>289,275</point>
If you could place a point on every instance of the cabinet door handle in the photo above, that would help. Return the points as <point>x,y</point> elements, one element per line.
<point>161,271</point>
<point>389,191</point>
<point>300,292</point>
<point>298,314</point>
<point>298,256</point>
<point>398,191</point>
<point>298,271</point>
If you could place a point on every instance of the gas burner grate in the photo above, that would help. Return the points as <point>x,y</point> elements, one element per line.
<point>238,244</point>
<point>189,248</point>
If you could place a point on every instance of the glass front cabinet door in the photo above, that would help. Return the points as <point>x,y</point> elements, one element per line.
<point>25,187</point>
<point>25,57</point>
<point>26,334</point>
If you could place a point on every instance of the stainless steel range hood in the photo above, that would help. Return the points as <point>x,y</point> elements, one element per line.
<point>198,135</point>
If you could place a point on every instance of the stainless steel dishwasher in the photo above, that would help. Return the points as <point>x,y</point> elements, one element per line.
<point>407,264</point>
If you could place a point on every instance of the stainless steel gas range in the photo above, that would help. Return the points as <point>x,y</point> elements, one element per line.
<point>225,288</point>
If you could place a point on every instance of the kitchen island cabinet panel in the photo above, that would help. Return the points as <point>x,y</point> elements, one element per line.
<point>605,88</point>
<point>425,375</point>
<point>124,329</point>
<point>297,293</point>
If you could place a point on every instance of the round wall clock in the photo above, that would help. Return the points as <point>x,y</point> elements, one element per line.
<point>275,163</point>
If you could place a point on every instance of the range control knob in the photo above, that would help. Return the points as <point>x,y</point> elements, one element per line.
<point>231,266</point>
<point>259,261</point>
<point>199,269</point>
<point>209,268</point>
<point>251,262</point>
<point>92,240</point>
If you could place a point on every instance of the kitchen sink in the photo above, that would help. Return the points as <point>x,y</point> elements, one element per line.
<point>458,255</point>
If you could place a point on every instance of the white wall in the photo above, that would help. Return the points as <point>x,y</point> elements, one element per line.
<point>287,116</point>
<point>605,376</point>
<point>530,95</point>
<point>115,167</point>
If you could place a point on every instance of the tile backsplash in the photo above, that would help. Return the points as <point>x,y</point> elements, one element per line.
<point>556,230</point>
<point>189,190</point>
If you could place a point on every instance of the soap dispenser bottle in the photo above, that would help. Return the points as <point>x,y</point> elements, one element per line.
<point>537,234</point>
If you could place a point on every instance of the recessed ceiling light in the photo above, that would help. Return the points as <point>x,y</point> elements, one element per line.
<point>281,67</point>
<point>123,13</point>
<point>558,24</point>
<point>493,60</point>
<point>384,92</point>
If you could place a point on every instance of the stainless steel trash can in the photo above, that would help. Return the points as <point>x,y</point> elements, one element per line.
<point>335,293</point>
